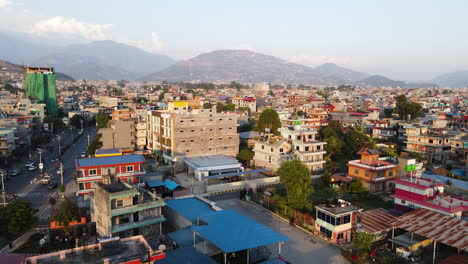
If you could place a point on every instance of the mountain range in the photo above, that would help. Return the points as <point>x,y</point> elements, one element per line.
<point>109,60</point>
<point>6,66</point>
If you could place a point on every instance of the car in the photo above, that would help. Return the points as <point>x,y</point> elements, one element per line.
<point>32,168</point>
<point>83,154</point>
<point>28,164</point>
<point>52,184</point>
<point>59,171</point>
<point>15,172</point>
<point>53,161</point>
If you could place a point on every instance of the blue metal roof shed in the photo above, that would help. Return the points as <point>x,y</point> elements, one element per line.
<point>232,232</point>
<point>190,208</point>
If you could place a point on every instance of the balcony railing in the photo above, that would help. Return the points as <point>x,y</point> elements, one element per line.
<point>132,225</point>
<point>137,207</point>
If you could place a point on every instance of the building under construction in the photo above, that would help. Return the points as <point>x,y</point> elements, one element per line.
<point>40,84</point>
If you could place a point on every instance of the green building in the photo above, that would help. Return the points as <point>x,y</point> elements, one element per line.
<point>40,84</point>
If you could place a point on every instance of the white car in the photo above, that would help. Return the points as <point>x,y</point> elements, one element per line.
<point>31,168</point>
<point>29,164</point>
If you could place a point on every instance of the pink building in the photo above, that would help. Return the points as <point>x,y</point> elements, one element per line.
<point>424,193</point>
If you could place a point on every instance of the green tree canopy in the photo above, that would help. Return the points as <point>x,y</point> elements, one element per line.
<point>95,144</point>
<point>207,106</point>
<point>102,120</point>
<point>269,118</point>
<point>357,187</point>
<point>17,217</point>
<point>362,241</point>
<point>296,178</point>
<point>407,110</point>
<point>246,155</point>
<point>354,140</point>
<point>75,121</point>
<point>67,212</point>
<point>326,178</point>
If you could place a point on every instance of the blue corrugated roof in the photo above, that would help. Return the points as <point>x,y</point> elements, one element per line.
<point>231,231</point>
<point>156,183</point>
<point>171,185</point>
<point>190,208</point>
<point>186,255</point>
<point>184,237</point>
<point>93,162</point>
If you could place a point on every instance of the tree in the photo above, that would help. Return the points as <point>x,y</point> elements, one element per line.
<point>334,147</point>
<point>300,113</point>
<point>17,217</point>
<point>67,212</point>
<point>95,144</point>
<point>246,109</point>
<point>268,119</point>
<point>244,128</point>
<point>362,241</point>
<point>354,140</point>
<point>357,187</point>
<point>296,178</point>
<point>207,106</point>
<point>388,112</point>
<point>326,178</point>
<point>219,107</point>
<point>75,121</point>
<point>389,152</point>
<point>101,121</point>
<point>246,155</point>
<point>407,110</point>
<point>416,155</point>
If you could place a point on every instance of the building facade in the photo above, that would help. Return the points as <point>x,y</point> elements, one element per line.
<point>336,222</point>
<point>40,84</point>
<point>271,151</point>
<point>182,132</point>
<point>119,134</point>
<point>122,210</point>
<point>376,172</point>
<point>126,168</point>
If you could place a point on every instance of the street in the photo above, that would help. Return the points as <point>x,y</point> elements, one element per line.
<point>24,186</point>
<point>302,248</point>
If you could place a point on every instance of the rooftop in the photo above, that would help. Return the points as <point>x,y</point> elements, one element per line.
<point>337,209</point>
<point>115,251</point>
<point>210,161</point>
<point>375,220</point>
<point>106,161</point>
<point>190,208</point>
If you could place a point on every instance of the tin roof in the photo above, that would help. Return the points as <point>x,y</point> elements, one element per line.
<point>376,220</point>
<point>106,161</point>
<point>441,228</point>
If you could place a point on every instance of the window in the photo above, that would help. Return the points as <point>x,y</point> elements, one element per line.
<point>192,120</point>
<point>181,131</point>
<point>119,203</point>
<point>340,236</point>
<point>325,232</point>
<point>366,173</point>
<point>183,141</point>
<point>129,168</point>
<point>192,130</point>
<point>220,128</point>
<point>390,174</point>
<point>263,147</point>
<point>220,119</point>
<point>281,150</point>
<point>187,151</point>
<point>356,171</point>
<point>403,202</point>
<point>431,141</point>
<point>271,149</point>
<point>181,120</point>
<point>191,140</point>
<point>93,172</point>
<point>346,219</point>
<point>220,138</point>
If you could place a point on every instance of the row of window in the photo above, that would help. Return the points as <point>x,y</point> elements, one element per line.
<point>333,220</point>
<point>193,140</point>
<point>325,232</point>
<point>181,121</point>
<point>203,130</point>
<point>94,171</point>
<point>209,149</point>
<point>380,174</point>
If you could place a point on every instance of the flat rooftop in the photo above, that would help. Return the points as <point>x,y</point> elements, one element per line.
<point>115,187</point>
<point>210,161</point>
<point>107,161</point>
<point>337,209</point>
<point>119,251</point>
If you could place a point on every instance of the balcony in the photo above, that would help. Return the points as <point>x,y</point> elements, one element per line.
<point>132,225</point>
<point>137,207</point>
<point>376,166</point>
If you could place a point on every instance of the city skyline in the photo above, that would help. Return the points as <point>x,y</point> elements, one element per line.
<point>408,41</point>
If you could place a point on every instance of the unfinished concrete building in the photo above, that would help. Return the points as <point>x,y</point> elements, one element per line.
<point>119,134</point>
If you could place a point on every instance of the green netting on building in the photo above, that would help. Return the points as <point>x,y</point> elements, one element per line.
<point>43,88</point>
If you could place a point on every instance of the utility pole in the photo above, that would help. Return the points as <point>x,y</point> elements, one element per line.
<point>59,147</point>
<point>29,145</point>
<point>61,177</point>
<point>3,189</point>
<point>81,125</point>
<point>88,140</point>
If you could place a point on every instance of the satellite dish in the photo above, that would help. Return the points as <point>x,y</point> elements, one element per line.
<point>162,247</point>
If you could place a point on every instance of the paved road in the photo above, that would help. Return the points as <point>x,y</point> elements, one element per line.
<point>24,187</point>
<point>302,248</point>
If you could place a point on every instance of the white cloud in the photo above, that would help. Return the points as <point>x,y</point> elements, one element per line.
<point>4,3</point>
<point>313,60</point>
<point>72,27</point>
<point>156,42</point>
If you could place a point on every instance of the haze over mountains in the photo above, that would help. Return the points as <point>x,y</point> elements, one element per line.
<point>109,60</point>
<point>6,66</point>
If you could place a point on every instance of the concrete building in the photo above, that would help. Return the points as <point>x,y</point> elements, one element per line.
<point>412,193</point>
<point>180,132</point>
<point>206,166</point>
<point>336,222</point>
<point>40,84</point>
<point>434,145</point>
<point>376,172</point>
<point>271,151</point>
<point>248,102</point>
<point>382,130</point>
<point>119,134</point>
<point>124,167</point>
<point>122,210</point>
<point>306,147</point>
<point>131,250</point>
<point>21,107</point>
<point>7,142</point>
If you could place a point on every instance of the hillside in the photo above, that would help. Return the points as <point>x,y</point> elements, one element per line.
<point>105,60</point>
<point>457,79</point>
<point>243,66</point>
<point>333,70</point>
<point>6,66</point>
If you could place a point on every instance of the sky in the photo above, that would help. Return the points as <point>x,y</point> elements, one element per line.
<point>400,39</point>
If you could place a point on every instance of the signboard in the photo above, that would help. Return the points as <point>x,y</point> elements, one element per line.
<point>41,166</point>
<point>46,127</point>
